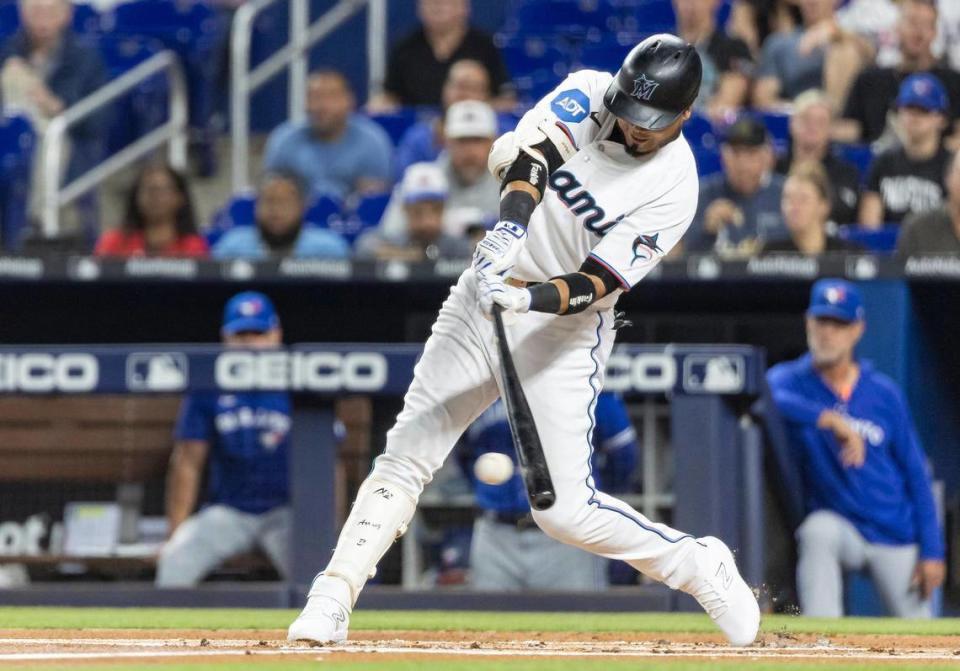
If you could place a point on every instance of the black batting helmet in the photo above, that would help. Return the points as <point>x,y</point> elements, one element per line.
<point>659,79</point>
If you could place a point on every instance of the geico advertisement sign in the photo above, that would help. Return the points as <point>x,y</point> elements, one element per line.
<point>653,372</point>
<point>306,371</point>
<point>43,372</point>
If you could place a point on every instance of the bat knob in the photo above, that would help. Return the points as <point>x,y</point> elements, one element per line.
<point>543,500</point>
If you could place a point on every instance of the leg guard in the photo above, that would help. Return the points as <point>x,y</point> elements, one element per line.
<point>380,515</point>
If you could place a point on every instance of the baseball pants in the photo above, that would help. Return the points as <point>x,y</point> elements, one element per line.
<point>828,544</point>
<point>504,558</point>
<point>207,539</point>
<point>561,361</point>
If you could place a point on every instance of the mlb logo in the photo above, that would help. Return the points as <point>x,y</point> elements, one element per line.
<point>157,371</point>
<point>722,374</point>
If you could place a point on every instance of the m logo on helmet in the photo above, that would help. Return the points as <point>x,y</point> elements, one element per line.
<point>643,88</point>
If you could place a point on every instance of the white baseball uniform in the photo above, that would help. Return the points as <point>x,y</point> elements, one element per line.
<point>624,212</point>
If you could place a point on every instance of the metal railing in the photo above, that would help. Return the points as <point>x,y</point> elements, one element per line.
<point>303,35</point>
<point>174,132</point>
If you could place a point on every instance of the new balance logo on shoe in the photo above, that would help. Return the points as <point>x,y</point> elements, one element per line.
<point>724,575</point>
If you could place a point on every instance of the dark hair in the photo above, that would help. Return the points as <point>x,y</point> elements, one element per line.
<point>185,219</point>
<point>326,71</point>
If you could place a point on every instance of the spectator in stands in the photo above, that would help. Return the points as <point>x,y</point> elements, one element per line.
<point>423,141</point>
<point>753,21</point>
<point>280,229</point>
<point>727,62</point>
<point>474,194</point>
<point>45,69</point>
<point>335,151</point>
<point>876,21</point>
<point>418,64</point>
<point>866,485</point>
<point>936,231</point>
<point>160,219</point>
<point>508,551</point>
<point>810,141</point>
<point>424,191</point>
<point>910,179</point>
<point>821,55</point>
<point>241,440</point>
<point>806,211</point>
<point>869,108</point>
<point>739,209</point>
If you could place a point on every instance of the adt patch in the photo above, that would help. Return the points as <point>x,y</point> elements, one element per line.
<point>571,106</point>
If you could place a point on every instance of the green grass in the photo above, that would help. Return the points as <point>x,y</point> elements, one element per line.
<point>200,618</point>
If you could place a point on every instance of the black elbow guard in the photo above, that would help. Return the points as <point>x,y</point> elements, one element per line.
<point>527,169</point>
<point>581,293</point>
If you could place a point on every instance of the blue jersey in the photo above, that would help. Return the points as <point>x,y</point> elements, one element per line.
<point>889,499</point>
<point>614,454</point>
<point>249,436</point>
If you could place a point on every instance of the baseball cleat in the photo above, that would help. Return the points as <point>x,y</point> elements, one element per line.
<point>325,618</point>
<point>721,592</point>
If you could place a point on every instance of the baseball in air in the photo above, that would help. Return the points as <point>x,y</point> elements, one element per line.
<point>493,468</point>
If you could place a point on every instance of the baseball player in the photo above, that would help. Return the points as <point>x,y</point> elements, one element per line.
<point>598,183</point>
<point>242,439</point>
<point>508,551</point>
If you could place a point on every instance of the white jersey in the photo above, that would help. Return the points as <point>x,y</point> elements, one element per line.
<point>624,212</point>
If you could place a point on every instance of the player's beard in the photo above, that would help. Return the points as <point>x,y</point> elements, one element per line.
<point>635,151</point>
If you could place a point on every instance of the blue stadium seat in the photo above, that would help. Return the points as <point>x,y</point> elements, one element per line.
<point>700,133</point>
<point>322,210</point>
<point>708,161</point>
<point>536,67</point>
<point>145,107</point>
<point>562,17</point>
<point>238,211</point>
<point>645,16</point>
<point>191,29</point>
<point>778,125</point>
<point>882,241</point>
<point>17,141</point>
<point>859,154</point>
<point>367,214</point>
<point>396,123</point>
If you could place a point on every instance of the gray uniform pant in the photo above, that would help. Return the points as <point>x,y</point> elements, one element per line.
<point>505,558</point>
<point>828,544</point>
<point>216,533</point>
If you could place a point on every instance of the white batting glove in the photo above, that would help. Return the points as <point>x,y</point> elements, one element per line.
<point>492,290</point>
<point>498,251</point>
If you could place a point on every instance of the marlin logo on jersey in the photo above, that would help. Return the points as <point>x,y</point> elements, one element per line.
<point>643,88</point>
<point>644,247</point>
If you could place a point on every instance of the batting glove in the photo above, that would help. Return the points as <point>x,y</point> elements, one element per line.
<point>498,250</point>
<point>492,290</point>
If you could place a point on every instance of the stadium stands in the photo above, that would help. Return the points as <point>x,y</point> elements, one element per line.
<point>16,158</point>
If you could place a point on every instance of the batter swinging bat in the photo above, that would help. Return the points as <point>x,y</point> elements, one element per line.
<point>526,440</point>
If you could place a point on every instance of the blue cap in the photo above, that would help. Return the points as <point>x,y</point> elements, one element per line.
<point>837,299</point>
<point>925,91</point>
<point>249,311</point>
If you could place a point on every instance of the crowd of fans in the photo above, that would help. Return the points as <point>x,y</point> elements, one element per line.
<point>871,72</point>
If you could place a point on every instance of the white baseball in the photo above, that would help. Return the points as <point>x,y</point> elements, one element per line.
<point>493,468</point>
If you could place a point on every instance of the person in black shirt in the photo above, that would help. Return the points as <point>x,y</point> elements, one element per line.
<point>810,141</point>
<point>909,179</point>
<point>869,103</point>
<point>727,62</point>
<point>418,64</point>
<point>806,207</point>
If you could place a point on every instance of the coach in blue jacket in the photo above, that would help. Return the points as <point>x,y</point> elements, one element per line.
<point>866,484</point>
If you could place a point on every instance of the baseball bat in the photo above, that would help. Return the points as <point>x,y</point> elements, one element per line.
<point>526,439</point>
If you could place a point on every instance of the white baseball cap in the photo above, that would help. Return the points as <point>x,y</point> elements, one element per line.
<point>470,118</point>
<point>423,181</point>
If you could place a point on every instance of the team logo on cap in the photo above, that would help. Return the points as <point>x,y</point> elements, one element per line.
<point>835,295</point>
<point>643,88</point>
<point>644,246</point>
<point>250,307</point>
